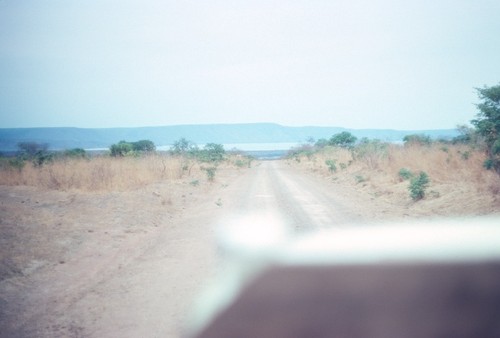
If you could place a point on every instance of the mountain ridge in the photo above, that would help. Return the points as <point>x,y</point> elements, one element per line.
<point>73,137</point>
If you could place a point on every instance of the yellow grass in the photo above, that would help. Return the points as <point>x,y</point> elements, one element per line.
<point>104,173</point>
<point>456,172</point>
<point>98,173</point>
<point>444,163</point>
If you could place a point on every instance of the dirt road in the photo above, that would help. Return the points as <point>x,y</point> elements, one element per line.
<point>130,264</point>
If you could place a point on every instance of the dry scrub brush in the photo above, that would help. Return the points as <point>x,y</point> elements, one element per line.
<point>105,173</point>
<point>380,163</point>
<point>97,173</point>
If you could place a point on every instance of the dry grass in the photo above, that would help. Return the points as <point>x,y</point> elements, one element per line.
<point>104,173</point>
<point>98,173</point>
<point>458,179</point>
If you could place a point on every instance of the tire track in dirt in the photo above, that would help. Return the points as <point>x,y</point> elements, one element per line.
<point>302,203</point>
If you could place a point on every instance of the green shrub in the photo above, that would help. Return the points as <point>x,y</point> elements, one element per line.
<point>124,148</point>
<point>212,152</point>
<point>371,152</point>
<point>359,179</point>
<point>489,164</point>
<point>42,158</point>
<point>244,161</point>
<point>120,149</point>
<point>417,186</point>
<point>239,163</point>
<point>465,155</point>
<point>344,140</point>
<point>17,163</point>
<point>405,174</point>
<point>331,165</point>
<point>38,153</point>
<point>417,139</point>
<point>75,153</point>
<point>143,145</point>
<point>210,172</point>
<point>183,147</point>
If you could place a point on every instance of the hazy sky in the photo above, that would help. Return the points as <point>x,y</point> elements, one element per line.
<point>356,64</point>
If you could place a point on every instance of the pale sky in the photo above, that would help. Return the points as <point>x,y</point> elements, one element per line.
<point>349,63</point>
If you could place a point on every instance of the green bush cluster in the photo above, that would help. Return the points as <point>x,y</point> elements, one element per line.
<point>210,171</point>
<point>212,153</point>
<point>344,140</point>
<point>124,148</point>
<point>417,186</point>
<point>332,165</point>
<point>37,153</point>
<point>405,174</point>
<point>417,139</point>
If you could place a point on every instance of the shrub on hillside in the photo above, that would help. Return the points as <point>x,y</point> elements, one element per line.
<point>210,171</point>
<point>344,140</point>
<point>405,174</point>
<point>418,184</point>
<point>332,167</point>
<point>371,152</point>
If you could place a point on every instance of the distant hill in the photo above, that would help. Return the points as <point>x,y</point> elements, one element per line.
<point>67,138</point>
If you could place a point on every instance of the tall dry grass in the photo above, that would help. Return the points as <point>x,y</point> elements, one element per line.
<point>378,165</point>
<point>98,173</point>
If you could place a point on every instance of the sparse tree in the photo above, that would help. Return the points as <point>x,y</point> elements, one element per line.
<point>214,152</point>
<point>488,124</point>
<point>321,143</point>
<point>121,149</point>
<point>182,146</point>
<point>144,146</point>
<point>36,152</point>
<point>344,140</point>
<point>31,149</point>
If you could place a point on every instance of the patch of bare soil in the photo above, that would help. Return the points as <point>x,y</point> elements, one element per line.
<point>117,264</point>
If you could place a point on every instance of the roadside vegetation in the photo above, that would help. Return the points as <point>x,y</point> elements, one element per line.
<point>406,173</point>
<point>127,165</point>
<point>463,171</point>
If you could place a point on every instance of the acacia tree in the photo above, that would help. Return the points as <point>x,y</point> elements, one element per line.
<point>182,146</point>
<point>38,153</point>
<point>344,139</point>
<point>488,124</point>
<point>144,146</point>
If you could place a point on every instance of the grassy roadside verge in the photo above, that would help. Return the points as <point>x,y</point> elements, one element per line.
<point>105,173</point>
<point>458,184</point>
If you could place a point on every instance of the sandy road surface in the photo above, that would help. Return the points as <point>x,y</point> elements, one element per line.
<point>293,200</point>
<point>129,264</point>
